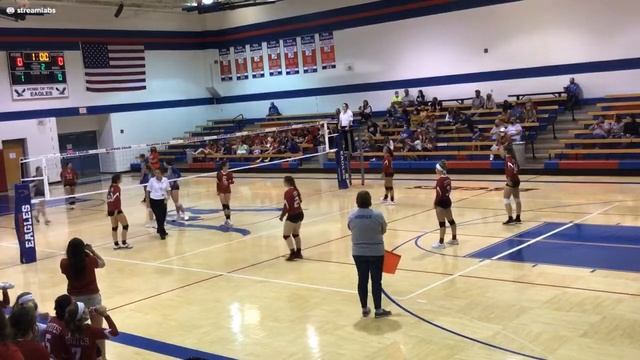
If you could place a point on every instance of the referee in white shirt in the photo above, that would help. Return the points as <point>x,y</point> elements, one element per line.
<point>158,193</point>
<point>346,127</point>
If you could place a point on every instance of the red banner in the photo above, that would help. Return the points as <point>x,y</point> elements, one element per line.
<point>257,61</point>
<point>309,59</point>
<point>226,73</point>
<point>275,58</point>
<point>240,55</point>
<point>291,65</point>
<point>327,50</point>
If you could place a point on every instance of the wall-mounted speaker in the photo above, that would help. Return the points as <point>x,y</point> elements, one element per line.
<point>119,10</point>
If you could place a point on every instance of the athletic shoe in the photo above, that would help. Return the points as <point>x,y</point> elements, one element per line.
<point>366,312</point>
<point>229,223</point>
<point>163,236</point>
<point>453,242</point>
<point>517,220</point>
<point>6,285</point>
<point>185,217</point>
<point>391,202</point>
<point>383,201</point>
<point>291,257</point>
<point>47,222</point>
<point>509,221</point>
<point>37,219</point>
<point>116,247</point>
<point>126,246</point>
<point>298,254</point>
<point>438,246</point>
<point>382,313</point>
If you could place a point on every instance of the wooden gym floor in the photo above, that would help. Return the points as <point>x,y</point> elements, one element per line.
<point>232,294</point>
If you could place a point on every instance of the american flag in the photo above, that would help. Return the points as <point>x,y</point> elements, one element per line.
<point>112,68</point>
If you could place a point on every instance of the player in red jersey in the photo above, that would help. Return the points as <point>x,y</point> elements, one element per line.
<point>224,180</point>
<point>387,175</point>
<point>69,179</point>
<point>442,205</point>
<point>512,188</point>
<point>115,213</point>
<point>56,332</point>
<point>293,209</point>
<point>82,338</point>
<point>154,158</point>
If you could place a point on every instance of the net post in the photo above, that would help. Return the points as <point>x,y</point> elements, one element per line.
<point>326,135</point>
<point>45,178</point>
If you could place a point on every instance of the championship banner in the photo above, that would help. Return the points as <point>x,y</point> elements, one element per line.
<point>309,60</point>
<point>291,65</point>
<point>342,163</point>
<point>275,58</point>
<point>24,224</point>
<point>257,61</point>
<point>327,50</point>
<point>240,55</point>
<point>226,74</point>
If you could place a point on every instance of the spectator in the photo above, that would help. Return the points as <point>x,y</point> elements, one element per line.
<point>84,338</point>
<point>79,267</point>
<point>517,112</point>
<point>435,105</point>
<point>514,130</point>
<point>505,116</point>
<point>450,119</point>
<point>396,99</point>
<point>406,132</point>
<point>273,110</point>
<point>496,129</point>
<point>490,103</point>
<point>574,95</point>
<point>372,128</point>
<point>346,124</point>
<point>506,105</point>
<point>408,99</point>
<point>293,147</point>
<point>8,351</point>
<point>26,300</point>
<point>616,128</point>
<point>416,118</point>
<point>599,130</point>
<point>367,228</point>
<point>631,128</point>
<point>23,323</point>
<point>404,117</point>
<point>478,101</point>
<point>421,99</point>
<point>243,148</point>
<point>365,111</point>
<point>56,331</point>
<point>530,115</point>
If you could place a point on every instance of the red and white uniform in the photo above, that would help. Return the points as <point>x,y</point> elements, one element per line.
<point>511,170</point>
<point>69,177</point>
<point>54,340</point>
<point>114,202</point>
<point>443,192</point>
<point>32,350</point>
<point>81,285</point>
<point>225,179</point>
<point>387,165</point>
<point>154,160</point>
<point>83,346</point>
<point>292,202</point>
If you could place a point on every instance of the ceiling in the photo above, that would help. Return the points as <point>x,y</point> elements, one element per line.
<point>165,5</point>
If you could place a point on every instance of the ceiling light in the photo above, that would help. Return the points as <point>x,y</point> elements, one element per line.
<point>207,2</point>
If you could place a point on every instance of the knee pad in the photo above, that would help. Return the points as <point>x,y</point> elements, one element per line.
<point>507,201</point>
<point>296,235</point>
<point>442,224</point>
<point>517,201</point>
<point>388,188</point>
<point>225,207</point>
<point>114,228</point>
<point>452,222</point>
<point>125,227</point>
<point>285,237</point>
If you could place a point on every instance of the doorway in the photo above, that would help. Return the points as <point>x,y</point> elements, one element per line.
<point>87,166</point>
<point>12,152</point>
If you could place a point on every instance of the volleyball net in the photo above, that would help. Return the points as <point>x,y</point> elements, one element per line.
<point>283,148</point>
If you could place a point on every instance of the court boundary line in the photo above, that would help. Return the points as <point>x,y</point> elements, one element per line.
<point>488,261</point>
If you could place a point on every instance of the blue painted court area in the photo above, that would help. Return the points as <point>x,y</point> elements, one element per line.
<point>6,203</point>
<point>167,349</point>
<point>608,247</point>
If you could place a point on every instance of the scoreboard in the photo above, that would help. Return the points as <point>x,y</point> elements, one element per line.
<point>37,74</point>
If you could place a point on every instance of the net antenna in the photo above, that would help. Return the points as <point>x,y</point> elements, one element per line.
<point>132,151</point>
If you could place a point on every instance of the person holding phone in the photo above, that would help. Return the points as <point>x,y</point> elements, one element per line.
<point>79,266</point>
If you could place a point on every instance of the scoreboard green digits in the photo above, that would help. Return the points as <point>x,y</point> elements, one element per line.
<point>37,74</point>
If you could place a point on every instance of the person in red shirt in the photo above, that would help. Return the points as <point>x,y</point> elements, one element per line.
<point>8,351</point>
<point>154,158</point>
<point>56,331</point>
<point>80,269</point>
<point>23,323</point>
<point>115,213</point>
<point>512,188</point>
<point>224,180</point>
<point>442,205</point>
<point>83,338</point>
<point>293,210</point>
<point>69,179</point>
<point>387,175</point>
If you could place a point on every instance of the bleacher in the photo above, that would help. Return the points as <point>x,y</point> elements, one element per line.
<point>586,153</point>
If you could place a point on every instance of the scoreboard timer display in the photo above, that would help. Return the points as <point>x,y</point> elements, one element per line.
<point>37,74</point>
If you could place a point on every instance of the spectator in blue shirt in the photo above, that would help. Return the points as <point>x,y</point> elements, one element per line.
<point>574,95</point>
<point>406,132</point>
<point>273,110</point>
